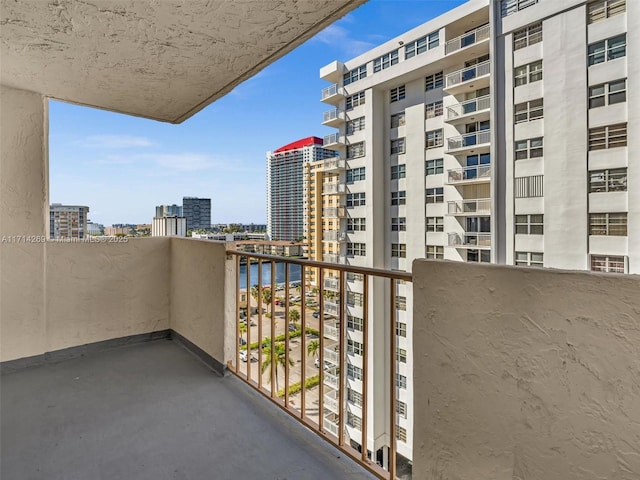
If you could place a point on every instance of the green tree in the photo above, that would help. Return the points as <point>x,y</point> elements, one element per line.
<point>266,296</point>
<point>294,316</point>
<point>280,355</point>
<point>242,329</point>
<point>312,348</point>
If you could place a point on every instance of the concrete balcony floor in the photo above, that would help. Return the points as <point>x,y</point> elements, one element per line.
<point>152,411</point>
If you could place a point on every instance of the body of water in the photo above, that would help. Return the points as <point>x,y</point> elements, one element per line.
<point>294,274</point>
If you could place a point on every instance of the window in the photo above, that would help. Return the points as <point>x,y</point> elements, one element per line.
<point>401,381</point>
<point>355,174</point>
<point>399,250</point>
<point>478,256</point>
<point>397,146</point>
<point>509,7</point>
<point>355,100</point>
<point>435,252</point>
<point>356,224</point>
<point>397,120</point>
<point>611,136</point>
<point>385,61</point>
<point>354,75</point>
<point>529,187</point>
<point>434,109</point>
<point>608,263</point>
<point>434,139</point>
<point>527,36</point>
<point>609,49</point>
<point>353,347</point>
<point>527,73</point>
<point>401,433</point>
<point>355,125</point>
<point>354,323</point>
<point>602,9</point>
<point>398,224</point>
<point>399,198</point>
<point>434,81</point>
<point>355,150</point>
<point>401,329</point>
<point>434,167</point>
<point>354,397</point>
<point>401,303</point>
<point>398,171</point>
<point>401,408</point>
<point>353,372</point>
<point>435,195</point>
<point>435,224</point>
<point>354,421</point>
<point>527,111</point>
<point>356,199</point>
<point>610,180</point>
<point>421,45</point>
<point>355,299</point>
<point>355,277</point>
<point>530,224</point>
<point>397,94</point>
<point>530,148</point>
<point>529,259</point>
<point>612,224</point>
<point>401,355</point>
<point>357,249</point>
<point>608,93</point>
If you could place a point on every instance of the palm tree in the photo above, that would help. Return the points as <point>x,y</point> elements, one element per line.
<point>254,293</point>
<point>312,348</point>
<point>242,328</point>
<point>294,316</point>
<point>266,296</point>
<point>280,358</point>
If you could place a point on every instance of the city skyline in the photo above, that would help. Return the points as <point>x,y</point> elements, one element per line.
<point>123,166</point>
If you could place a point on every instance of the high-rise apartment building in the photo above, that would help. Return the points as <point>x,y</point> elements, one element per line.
<point>169,227</point>
<point>501,131</point>
<point>285,196</point>
<point>169,211</point>
<point>68,221</point>
<point>197,211</point>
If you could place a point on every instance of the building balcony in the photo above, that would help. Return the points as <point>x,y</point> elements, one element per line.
<point>334,141</point>
<point>467,39</point>
<point>468,79</point>
<point>334,165</point>
<point>334,189</point>
<point>331,399</point>
<point>333,258</point>
<point>331,283</point>
<point>474,207</point>
<point>334,236</point>
<point>331,423</point>
<point>332,356</point>
<point>471,174</point>
<point>476,110</point>
<point>332,330</point>
<point>332,94</point>
<point>333,118</point>
<point>477,141</point>
<point>470,240</point>
<point>332,306</point>
<point>332,378</point>
<point>334,212</point>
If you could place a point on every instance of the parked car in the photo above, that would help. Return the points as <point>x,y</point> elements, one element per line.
<point>292,327</point>
<point>316,362</point>
<point>243,355</point>
<point>242,341</point>
<point>316,314</point>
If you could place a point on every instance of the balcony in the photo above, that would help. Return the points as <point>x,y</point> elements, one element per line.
<point>476,109</point>
<point>467,175</point>
<point>332,284</point>
<point>332,306</point>
<point>334,141</point>
<point>332,94</point>
<point>477,141</point>
<point>331,403</point>
<point>333,118</point>
<point>334,212</point>
<point>331,355</point>
<point>334,189</point>
<point>334,165</point>
<point>470,240</point>
<point>467,39</point>
<point>334,236</point>
<point>463,208</point>
<point>331,330</point>
<point>331,424</point>
<point>467,79</point>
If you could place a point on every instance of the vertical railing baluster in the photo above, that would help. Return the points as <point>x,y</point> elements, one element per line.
<point>237,326</point>
<point>392,389</point>
<point>248,319</point>
<point>260,338</point>
<point>342,340</point>
<point>303,341</point>
<point>274,371</point>
<point>286,334</point>
<point>321,348</point>
<point>365,367</point>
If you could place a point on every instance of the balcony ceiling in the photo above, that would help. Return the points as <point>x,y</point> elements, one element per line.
<point>160,59</point>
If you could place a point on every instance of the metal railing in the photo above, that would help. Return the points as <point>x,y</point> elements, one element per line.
<point>331,139</point>
<point>468,107</point>
<point>334,212</point>
<point>334,236</point>
<point>469,140</point>
<point>468,73</point>
<point>479,206</point>
<point>474,173</point>
<point>332,284</point>
<point>329,91</point>
<point>469,239</point>
<point>275,349</point>
<point>332,306</point>
<point>331,258</point>
<point>335,164</point>
<point>467,39</point>
<point>334,188</point>
<point>330,115</point>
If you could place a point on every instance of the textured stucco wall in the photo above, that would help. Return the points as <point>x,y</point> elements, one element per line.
<point>198,275</point>
<point>525,374</point>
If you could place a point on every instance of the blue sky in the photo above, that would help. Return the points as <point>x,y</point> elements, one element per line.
<point>122,166</point>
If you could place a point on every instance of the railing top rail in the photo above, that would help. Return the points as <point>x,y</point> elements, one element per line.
<point>406,276</point>
<point>466,34</point>
<point>469,68</point>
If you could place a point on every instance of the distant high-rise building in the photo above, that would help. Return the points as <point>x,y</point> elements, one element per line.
<point>285,197</point>
<point>95,228</point>
<point>169,211</point>
<point>197,211</point>
<point>169,227</point>
<point>68,221</point>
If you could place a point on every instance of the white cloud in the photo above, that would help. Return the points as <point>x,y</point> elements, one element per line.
<point>115,141</point>
<point>339,38</point>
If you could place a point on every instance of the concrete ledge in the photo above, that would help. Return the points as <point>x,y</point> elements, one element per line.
<point>81,350</point>
<point>199,353</point>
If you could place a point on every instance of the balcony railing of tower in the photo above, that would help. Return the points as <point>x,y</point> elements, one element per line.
<point>468,73</point>
<point>469,139</point>
<point>467,39</point>
<point>468,107</point>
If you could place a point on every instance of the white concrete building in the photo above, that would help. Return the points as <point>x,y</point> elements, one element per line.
<point>68,221</point>
<point>169,227</point>
<point>498,132</point>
